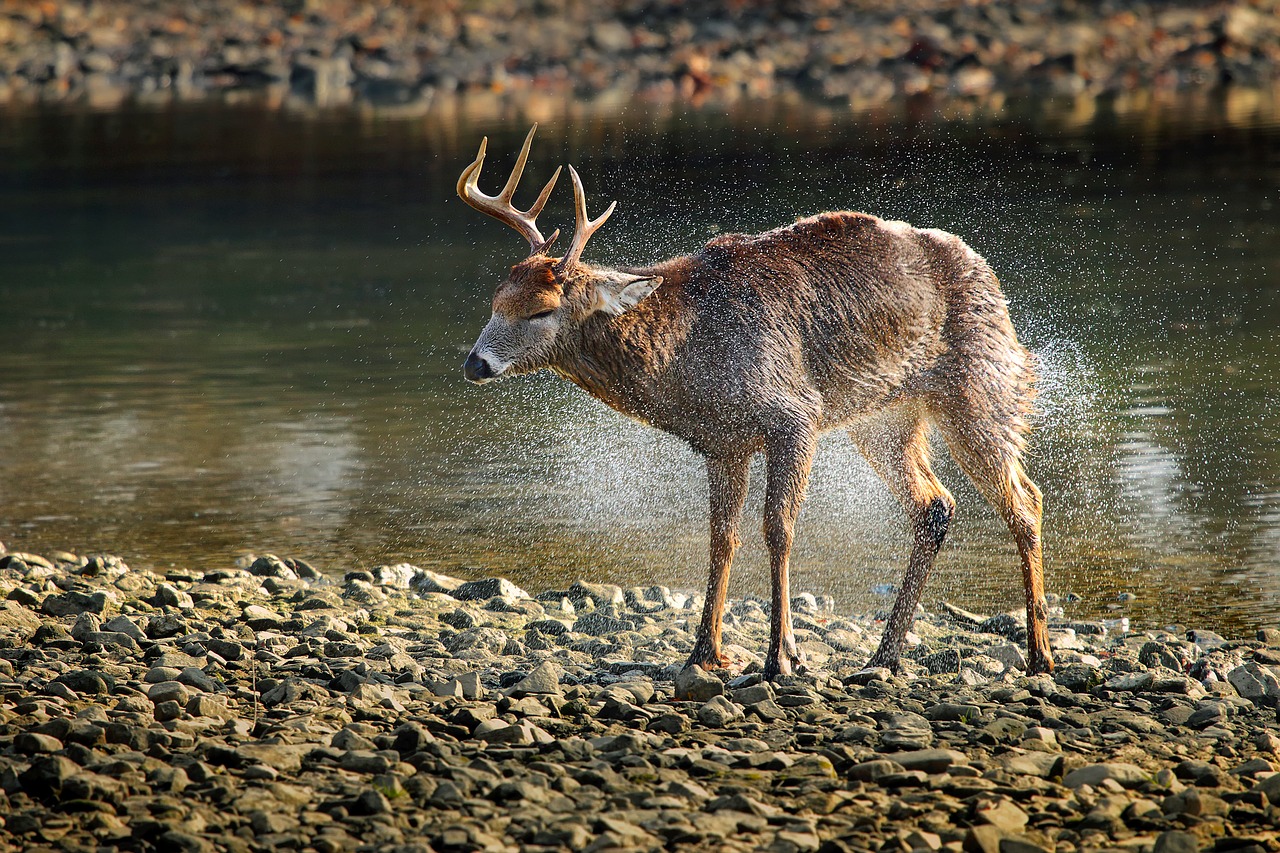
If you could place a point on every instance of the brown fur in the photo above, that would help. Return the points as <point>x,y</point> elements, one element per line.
<point>530,289</point>
<point>759,343</point>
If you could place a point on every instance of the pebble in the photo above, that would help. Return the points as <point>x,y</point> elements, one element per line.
<point>412,58</point>
<point>1127,775</point>
<point>719,712</point>
<point>694,684</point>
<point>335,730</point>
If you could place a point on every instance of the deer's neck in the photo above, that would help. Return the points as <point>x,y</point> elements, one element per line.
<point>623,361</point>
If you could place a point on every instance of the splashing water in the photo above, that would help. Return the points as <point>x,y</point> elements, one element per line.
<point>269,373</point>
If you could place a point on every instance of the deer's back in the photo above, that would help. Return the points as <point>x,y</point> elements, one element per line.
<point>841,306</point>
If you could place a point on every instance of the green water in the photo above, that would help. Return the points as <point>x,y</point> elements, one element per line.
<point>230,329</point>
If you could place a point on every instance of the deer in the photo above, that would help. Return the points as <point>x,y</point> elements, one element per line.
<point>760,344</point>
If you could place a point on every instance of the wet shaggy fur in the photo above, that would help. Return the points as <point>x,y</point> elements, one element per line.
<point>841,320</point>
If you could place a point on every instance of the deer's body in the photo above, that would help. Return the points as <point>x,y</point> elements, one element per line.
<point>760,344</point>
<point>828,320</point>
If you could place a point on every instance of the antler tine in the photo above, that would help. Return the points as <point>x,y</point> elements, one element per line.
<point>499,206</point>
<point>583,227</point>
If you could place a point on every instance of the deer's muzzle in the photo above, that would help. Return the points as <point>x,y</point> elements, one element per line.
<point>477,369</point>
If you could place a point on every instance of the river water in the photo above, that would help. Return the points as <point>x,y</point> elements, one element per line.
<point>231,329</point>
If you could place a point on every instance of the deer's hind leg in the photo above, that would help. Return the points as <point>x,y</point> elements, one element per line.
<point>789,457</point>
<point>989,447</point>
<point>897,446</point>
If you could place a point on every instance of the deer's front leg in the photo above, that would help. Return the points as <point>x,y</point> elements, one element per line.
<point>727,488</point>
<point>789,460</point>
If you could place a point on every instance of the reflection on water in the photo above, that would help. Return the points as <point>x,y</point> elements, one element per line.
<point>232,330</point>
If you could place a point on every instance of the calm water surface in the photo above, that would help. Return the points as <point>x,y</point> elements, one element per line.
<point>230,329</point>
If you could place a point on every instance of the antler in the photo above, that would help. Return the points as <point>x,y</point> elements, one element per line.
<point>500,207</point>
<point>584,227</point>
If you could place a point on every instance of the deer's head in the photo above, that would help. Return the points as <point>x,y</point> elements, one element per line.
<point>544,299</point>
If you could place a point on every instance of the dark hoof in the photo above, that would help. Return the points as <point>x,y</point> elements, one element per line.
<point>1039,662</point>
<point>783,666</point>
<point>879,661</point>
<point>708,660</point>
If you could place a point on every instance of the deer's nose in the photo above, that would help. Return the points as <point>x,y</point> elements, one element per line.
<point>476,369</point>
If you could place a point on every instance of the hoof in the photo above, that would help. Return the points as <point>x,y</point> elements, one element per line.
<point>782,666</point>
<point>708,660</point>
<point>879,661</point>
<point>1039,662</point>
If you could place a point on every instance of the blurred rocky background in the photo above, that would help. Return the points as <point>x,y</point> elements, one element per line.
<point>406,54</point>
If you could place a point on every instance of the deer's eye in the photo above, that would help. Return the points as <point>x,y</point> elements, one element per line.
<point>542,315</point>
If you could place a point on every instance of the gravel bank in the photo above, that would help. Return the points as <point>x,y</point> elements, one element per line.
<point>405,55</point>
<point>264,707</point>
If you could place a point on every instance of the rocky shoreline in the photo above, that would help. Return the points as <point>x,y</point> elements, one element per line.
<point>109,52</point>
<point>264,706</point>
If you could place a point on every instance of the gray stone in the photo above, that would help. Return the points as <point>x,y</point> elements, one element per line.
<point>1042,765</point>
<point>694,684</point>
<point>1129,682</point>
<point>1271,787</point>
<point>197,678</point>
<point>762,692</point>
<point>293,690</point>
<point>1078,677</point>
<point>942,662</point>
<point>599,594</point>
<point>167,710</point>
<point>743,803</point>
<point>32,743</point>
<point>1176,841</point>
<point>461,619</point>
<point>166,691</point>
<point>74,603</point>
<point>168,595</point>
<point>930,760</point>
<point>550,627</point>
<point>600,625</point>
<point>1127,775</point>
<point>544,680</point>
<point>1210,714</point>
<point>165,625</point>
<point>427,581</point>
<point>1256,683</point>
<point>125,625</point>
<point>870,771</point>
<point>487,639</point>
<point>365,761</point>
<point>87,682</point>
<point>487,588</point>
<point>1155,653</point>
<point>48,774</point>
<point>86,623</point>
<point>1002,814</point>
<point>870,674</point>
<point>1006,625</point>
<point>669,723</point>
<point>161,673</point>
<point>769,711</point>
<point>1195,803</point>
<point>719,712</point>
<point>1008,655</point>
<point>905,731</point>
<point>398,575</point>
<point>207,706</point>
<point>260,618</point>
<point>983,838</point>
<point>271,566</point>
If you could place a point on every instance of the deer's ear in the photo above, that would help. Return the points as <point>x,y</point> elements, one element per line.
<point>620,293</point>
